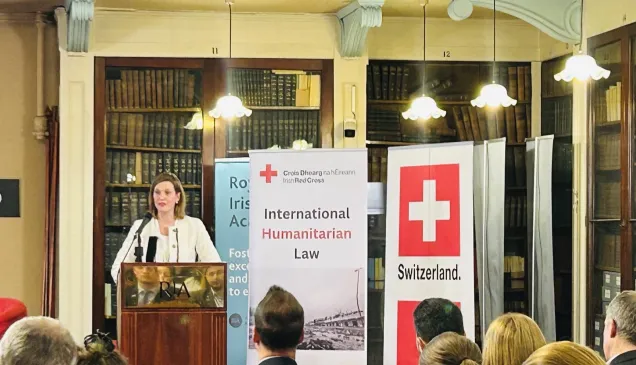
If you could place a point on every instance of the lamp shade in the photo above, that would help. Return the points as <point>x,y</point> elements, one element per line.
<point>423,107</point>
<point>493,95</point>
<point>581,67</point>
<point>229,107</point>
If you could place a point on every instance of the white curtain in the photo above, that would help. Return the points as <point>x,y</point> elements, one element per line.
<point>489,194</point>
<point>540,253</point>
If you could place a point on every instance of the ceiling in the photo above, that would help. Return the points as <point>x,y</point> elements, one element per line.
<point>28,6</point>
<point>436,8</point>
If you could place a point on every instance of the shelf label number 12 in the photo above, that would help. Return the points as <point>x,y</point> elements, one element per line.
<point>446,54</point>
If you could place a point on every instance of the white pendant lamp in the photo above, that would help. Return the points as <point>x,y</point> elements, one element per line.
<point>493,95</point>
<point>581,66</point>
<point>423,107</point>
<point>230,106</point>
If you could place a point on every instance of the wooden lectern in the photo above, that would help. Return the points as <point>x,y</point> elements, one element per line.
<point>172,314</point>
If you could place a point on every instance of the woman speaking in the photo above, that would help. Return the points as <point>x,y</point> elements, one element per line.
<point>179,238</point>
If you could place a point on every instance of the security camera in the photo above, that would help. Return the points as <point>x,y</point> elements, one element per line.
<point>350,128</point>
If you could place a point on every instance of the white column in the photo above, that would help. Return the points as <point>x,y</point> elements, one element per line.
<point>75,235</point>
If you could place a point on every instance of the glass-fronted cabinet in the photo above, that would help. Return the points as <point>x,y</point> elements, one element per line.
<point>611,168</point>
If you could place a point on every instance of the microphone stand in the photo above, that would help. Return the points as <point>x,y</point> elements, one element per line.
<point>139,251</point>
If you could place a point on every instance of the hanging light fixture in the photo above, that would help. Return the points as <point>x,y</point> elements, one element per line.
<point>493,95</point>
<point>581,66</point>
<point>230,106</point>
<point>423,107</point>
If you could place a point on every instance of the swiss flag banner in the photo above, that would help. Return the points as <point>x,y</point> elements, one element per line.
<point>429,242</point>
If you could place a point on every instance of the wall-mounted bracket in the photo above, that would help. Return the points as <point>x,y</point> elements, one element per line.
<point>80,15</point>
<point>355,20</point>
<point>560,19</point>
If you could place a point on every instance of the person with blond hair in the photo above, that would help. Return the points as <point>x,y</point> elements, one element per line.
<point>180,238</point>
<point>450,348</point>
<point>564,353</point>
<point>510,339</point>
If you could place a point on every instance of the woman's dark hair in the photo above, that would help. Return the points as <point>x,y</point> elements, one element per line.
<point>99,349</point>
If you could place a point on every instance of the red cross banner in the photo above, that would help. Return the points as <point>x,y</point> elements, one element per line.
<point>429,239</point>
<point>308,235</point>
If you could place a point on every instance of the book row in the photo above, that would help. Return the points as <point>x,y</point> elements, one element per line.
<point>264,129</point>
<point>257,87</point>
<point>151,89</point>
<point>404,82</point>
<point>144,166</point>
<point>124,208</point>
<point>477,124</point>
<point>389,125</point>
<point>157,130</point>
<point>556,117</point>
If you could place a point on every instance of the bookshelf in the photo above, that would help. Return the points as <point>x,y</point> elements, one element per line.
<point>390,87</point>
<point>141,108</point>
<point>290,100</point>
<point>611,207</point>
<point>556,119</point>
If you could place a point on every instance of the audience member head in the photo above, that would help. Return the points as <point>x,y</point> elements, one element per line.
<point>564,353</point>
<point>278,323</point>
<point>37,341</point>
<point>449,348</point>
<point>11,310</point>
<point>99,350</point>
<point>510,339</point>
<point>619,334</point>
<point>435,316</point>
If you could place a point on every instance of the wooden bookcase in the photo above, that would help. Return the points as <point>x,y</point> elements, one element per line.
<point>556,119</point>
<point>611,170</point>
<point>391,85</point>
<point>141,108</point>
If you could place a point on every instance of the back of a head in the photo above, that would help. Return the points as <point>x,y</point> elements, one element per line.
<point>37,341</point>
<point>621,309</point>
<point>100,350</point>
<point>564,353</point>
<point>435,316</point>
<point>279,320</point>
<point>450,348</point>
<point>511,339</point>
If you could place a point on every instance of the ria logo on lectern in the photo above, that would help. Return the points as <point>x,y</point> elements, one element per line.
<point>173,291</point>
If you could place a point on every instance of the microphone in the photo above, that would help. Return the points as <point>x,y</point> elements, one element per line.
<point>152,249</point>
<point>139,251</point>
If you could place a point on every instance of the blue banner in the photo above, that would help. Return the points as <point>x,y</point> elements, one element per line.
<point>231,192</point>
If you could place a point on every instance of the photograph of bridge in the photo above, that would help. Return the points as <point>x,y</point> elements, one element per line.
<point>333,301</point>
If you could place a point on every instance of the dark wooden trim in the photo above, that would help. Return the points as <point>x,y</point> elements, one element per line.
<point>189,63</point>
<point>99,179</point>
<point>213,88</point>
<point>276,63</point>
<point>326,104</point>
<point>626,148</point>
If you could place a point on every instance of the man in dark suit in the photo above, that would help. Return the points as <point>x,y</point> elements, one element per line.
<point>619,334</point>
<point>278,327</point>
<point>435,316</point>
<point>148,288</point>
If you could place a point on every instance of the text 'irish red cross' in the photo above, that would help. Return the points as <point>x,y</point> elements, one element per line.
<point>268,173</point>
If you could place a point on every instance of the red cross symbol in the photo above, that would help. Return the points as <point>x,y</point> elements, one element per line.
<point>268,173</point>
